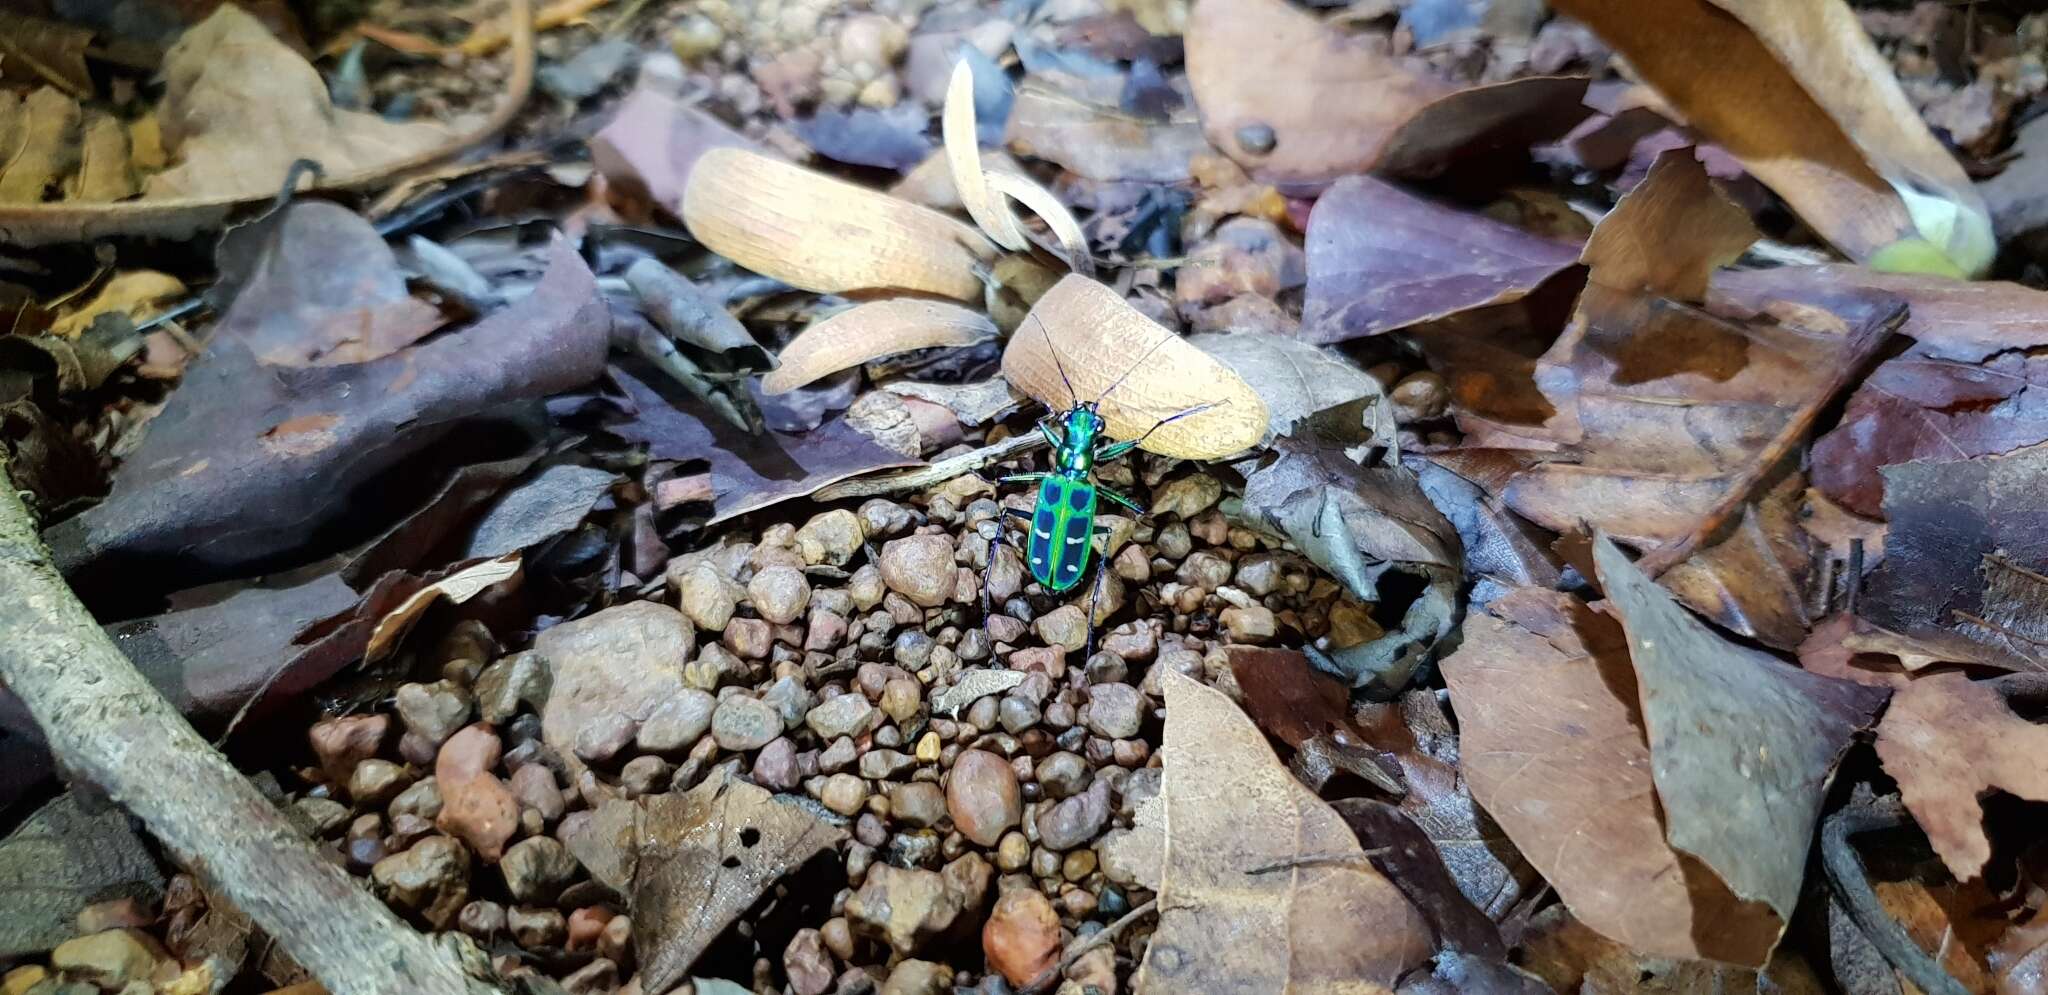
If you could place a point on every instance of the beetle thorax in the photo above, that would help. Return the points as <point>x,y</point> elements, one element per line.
<point>1078,455</point>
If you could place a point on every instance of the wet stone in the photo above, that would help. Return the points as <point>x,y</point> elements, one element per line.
<point>342,743</point>
<point>520,679</point>
<point>536,928</point>
<point>983,796</point>
<point>433,711</point>
<point>429,880</point>
<point>481,919</point>
<point>1076,820</point>
<point>536,869</point>
<point>375,782</point>
<point>677,721</point>
<point>846,715</point>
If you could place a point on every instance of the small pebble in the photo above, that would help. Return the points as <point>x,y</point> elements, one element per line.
<point>844,794</point>
<point>830,538</point>
<point>433,711</point>
<point>536,928</point>
<point>707,598</point>
<point>920,568</point>
<point>846,715</point>
<point>1022,936</point>
<point>741,724</point>
<point>919,804</point>
<point>779,593</point>
<point>983,796</point>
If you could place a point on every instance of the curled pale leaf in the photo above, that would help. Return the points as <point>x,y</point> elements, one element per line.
<point>1084,334</point>
<point>963,158</point>
<point>1796,91</point>
<point>817,233</point>
<point>1043,203</point>
<point>870,331</point>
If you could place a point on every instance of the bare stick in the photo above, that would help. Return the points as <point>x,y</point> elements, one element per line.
<point>936,473</point>
<point>106,724</point>
<point>1857,353</point>
<point>1106,934</point>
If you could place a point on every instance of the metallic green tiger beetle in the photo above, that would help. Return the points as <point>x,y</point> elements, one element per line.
<point>1062,522</point>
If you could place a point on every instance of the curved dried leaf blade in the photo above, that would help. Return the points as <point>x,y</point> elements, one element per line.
<point>1949,741</point>
<point>704,857</point>
<point>1552,745</point>
<point>1381,258</point>
<point>1262,887</point>
<point>1482,121</point>
<point>1742,744</point>
<point>817,233</point>
<point>871,331</point>
<point>963,160</point>
<point>1098,338</point>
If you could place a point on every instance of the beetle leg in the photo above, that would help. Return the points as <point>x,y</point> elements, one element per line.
<point>1120,499</point>
<point>1000,538</point>
<point>1052,435</point>
<point>1023,478</point>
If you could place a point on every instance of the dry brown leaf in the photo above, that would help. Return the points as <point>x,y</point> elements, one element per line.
<point>34,48</point>
<point>1101,143</point>
<point>1289,98</point>
<point>817,233</point>
<point>1098,338</point>
<point>1948,741</point>
<point>1669,234</point>
<point>38,144</point>
<point>871,331</point>
<point>702,858</point>
<point>1262,887</point>
<point>1574,959</point>
<point>135,293</point>
<point>1796,91</point>
<point>210,121</point>
<point>1553,747</point>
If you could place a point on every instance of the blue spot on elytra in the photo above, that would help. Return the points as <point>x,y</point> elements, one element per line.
<point>1077,499</point>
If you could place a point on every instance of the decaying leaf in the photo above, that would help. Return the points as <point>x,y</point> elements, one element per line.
<point>240,106</point>
<point>1633,248</point>
<point>975,403</point>
<point>462,583</point>
<point>1102,143</point>
<point>1959,575</point>
<point>1262,887</point>
<point>1570,957</point>
<point>748,472</point>
<point>1796,90</point>
<point>654,140</point>
<point>62,858</point>
<point>1553,745</point>
<point>41,144</point>
<point>1295,378</point>
<point>817,233</point>
<point>134,293</point>
<point>326,290</point>
<point>871,331</point>
<point>1300,103</point>
<point>702,858</point>
<point>105,169</point>
<point>1381,258</point>
<point>1948,741</point>
<point>692,315</point>
<point>1101,341</point>
<point>972,686</point>
<point>892,138</point>
<point>247,462</point>
<point>1361,523</point>
<point>1742,744</point>
<point>35,48</point>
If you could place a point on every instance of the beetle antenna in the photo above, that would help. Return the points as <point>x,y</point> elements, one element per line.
<point>1072,397</point>
<point>1133,368</point>
<point>1176,416</point>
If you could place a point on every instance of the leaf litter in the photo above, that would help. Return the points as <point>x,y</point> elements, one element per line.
<point>1415,340</point>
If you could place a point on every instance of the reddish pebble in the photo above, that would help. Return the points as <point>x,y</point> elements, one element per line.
<point>344,742</point>
<point>1022,936</point>
<point>475,806</point>
<point>586,925</point>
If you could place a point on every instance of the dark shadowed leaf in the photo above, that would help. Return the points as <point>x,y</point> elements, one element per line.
<point>325,290</point>
<point>250,463</point>
<point>534,511</point>
<point>748,472</point>
<point>35,49</point>
<point>652,142</point>
<point>702,858</point>
<point>61,859</point>
<point>414,541</point>
<point>1959,573</point>
<point>1742,744</point>
<point>1553,745</point>
<point>885,139</point>
<point>1381,258</point>
<point>1310,711</point>
<point>1404,852</point>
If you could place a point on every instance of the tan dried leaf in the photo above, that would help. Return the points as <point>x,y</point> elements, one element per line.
<point>702,858</point>
<point>1633,247</point>
<point>456,588</point>
<point>135,293</point>
<point>1098,339</point>
<point>1796,91</point>
<point>1262,887</point>
<point>1053,211</point>
<point>871,331</point>
<point>963,160</point>
<point>240,107</point>
<point>38,143</point>
<point>105,172</point>
<point>821,234</point>
<point>1948,741</point>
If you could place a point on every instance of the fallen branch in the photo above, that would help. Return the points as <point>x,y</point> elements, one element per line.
<point>109,726</point>
<point>936,473</point>
<point>1863,344</point>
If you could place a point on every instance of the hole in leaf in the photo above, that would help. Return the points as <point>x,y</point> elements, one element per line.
<point>749,837</point>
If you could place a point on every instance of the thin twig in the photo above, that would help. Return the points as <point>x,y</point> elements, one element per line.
<point>1862,347</point>
<point>1852,888</point>
<point>1106,934</point>
<point>936,473</point>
